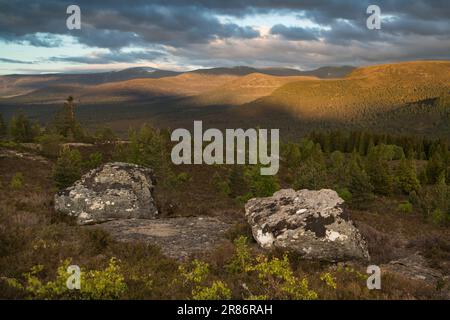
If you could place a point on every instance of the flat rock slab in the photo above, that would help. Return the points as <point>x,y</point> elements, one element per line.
<point>177,237</point>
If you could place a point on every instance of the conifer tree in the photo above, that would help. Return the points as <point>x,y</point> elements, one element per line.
<point>3,127</point>
<point>407,180</point>
<point>22,129</point>
<point>379,173</point>
<point>359,186</point>
<point>435,168</point>
<point>312,173</point>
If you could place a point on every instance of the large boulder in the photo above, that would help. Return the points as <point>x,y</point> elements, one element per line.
<point>113,191</point>
<point>311,223</point>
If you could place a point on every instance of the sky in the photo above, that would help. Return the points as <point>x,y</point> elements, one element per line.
<point>185,35</point>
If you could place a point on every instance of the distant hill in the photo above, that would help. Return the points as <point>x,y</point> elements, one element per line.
<point>16,85</point>
<point>324,72</point>
<point>365,91</point>
<point>13,85</point>
<point>329,72</point>
<point>141,89</point>
<point>245,89</point>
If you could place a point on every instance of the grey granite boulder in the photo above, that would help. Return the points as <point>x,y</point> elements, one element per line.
<point>311,223</point>
<point>113,191</point>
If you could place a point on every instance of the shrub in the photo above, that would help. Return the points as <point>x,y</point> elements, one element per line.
<point>195,276</point>
<point>50,144</point>
<point>439,217</point>
<point>94,161</point>
<point>242,258</point>
<point>22,129</point>
<point>260,186</point>
<point>405,207</point>
<point>345,194</point>
<point>276,280</point>
<point>279,282</point>
<point>68,168</point>
<point>407,180</point>
<point>3,127</point>
<point>329,280</point>
<point>220,184</point>
<point>179,179</point>
<point>17,181</point>
<point>94,284</point>
<point>217,291</point>
<point>105,135</point>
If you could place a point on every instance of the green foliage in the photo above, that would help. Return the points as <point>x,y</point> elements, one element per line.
<point>94,161</point>
<point>439,217</point>
<point>338,169</point>
<point>220,184</point>
<point>146,147</point>
<point>306,148</point>
<point>236,181</point>
<point>360,186</point>
<point>150,147</point>
<point>68,168</point>
<point>278,280</point>
<point>65,123</point>
<point>105,135</point>
<point>50,144</point>
<point>259,185</point>
<point>22,129</point>
<point>312,173</point>
<point>379,172</point>
<point>17,181</point>
<point>435,168</point>
<point>434,201</point>
<point>291,154</point>
<point>195,274</point>
<point>242,258</point>
<point>217,291</point>
<point>405,207</point>
<point>345,194</point>
<point>3,127</point>
<point>329,280</point>
<point>183,177</point>
<point>94,284</point>
<point>406,179</point>
<point>104,284</point>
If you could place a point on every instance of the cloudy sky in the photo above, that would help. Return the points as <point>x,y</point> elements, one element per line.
<point>183,35</point>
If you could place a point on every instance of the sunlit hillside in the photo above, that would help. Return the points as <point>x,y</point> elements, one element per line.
<point>364,92</point>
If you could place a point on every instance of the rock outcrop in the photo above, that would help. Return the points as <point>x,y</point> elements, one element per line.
<point>113,191</point>
<point>311,223</point>
<point>414,267</point>
<point>178,238</point>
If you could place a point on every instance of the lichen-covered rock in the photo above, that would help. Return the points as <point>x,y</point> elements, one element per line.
<point>113,191</point>
<point>311,223</point>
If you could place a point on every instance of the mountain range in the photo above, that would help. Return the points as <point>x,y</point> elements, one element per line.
<point>15,85</point>
<point>403,97</point>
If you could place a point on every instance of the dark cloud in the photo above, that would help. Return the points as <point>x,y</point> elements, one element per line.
<point>117,24</point>
<point>114,56</point>
<point>294,33</point>
<point>15,61</point>
<point>190,29</point>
